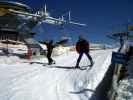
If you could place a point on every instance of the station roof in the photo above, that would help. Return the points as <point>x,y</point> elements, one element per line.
<point>14,5</point>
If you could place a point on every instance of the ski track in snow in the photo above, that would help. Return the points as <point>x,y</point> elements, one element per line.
<point>24,81</point>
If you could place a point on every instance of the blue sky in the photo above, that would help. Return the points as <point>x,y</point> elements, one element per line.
<point>101,16</point>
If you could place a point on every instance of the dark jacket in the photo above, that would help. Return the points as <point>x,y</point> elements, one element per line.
<point>82,46</point>
<point>49,46</point>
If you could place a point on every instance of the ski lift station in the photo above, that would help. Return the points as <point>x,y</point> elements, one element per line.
<point>24,77</point>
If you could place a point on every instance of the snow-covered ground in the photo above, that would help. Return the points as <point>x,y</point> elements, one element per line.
<point>20,80</point>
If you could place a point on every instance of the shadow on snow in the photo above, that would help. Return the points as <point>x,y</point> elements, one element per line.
<point>82,91</point>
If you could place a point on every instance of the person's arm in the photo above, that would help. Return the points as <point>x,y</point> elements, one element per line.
<point>87,45</point>
<point>55,45</point>
<point>78,47</point>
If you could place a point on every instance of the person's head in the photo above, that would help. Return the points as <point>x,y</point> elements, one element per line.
<point>81,37</point>
<point>51,41</point>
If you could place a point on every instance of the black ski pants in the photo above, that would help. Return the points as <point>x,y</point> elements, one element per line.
<point>50,60</point>
<point>80,56</point>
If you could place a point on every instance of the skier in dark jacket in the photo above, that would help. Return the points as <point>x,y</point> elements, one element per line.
<point>50,47</point>
<point>82,47</point>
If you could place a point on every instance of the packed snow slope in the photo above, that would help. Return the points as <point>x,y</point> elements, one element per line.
<point>20,80</point>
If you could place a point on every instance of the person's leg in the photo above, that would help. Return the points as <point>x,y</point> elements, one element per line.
<point>78,60</point>
<point>49,58</point>
<point>52,61</point>
<point>90,58</point>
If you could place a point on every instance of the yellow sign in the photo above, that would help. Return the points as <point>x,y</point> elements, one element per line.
<point>130,27</point>
<point>3,11</point>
